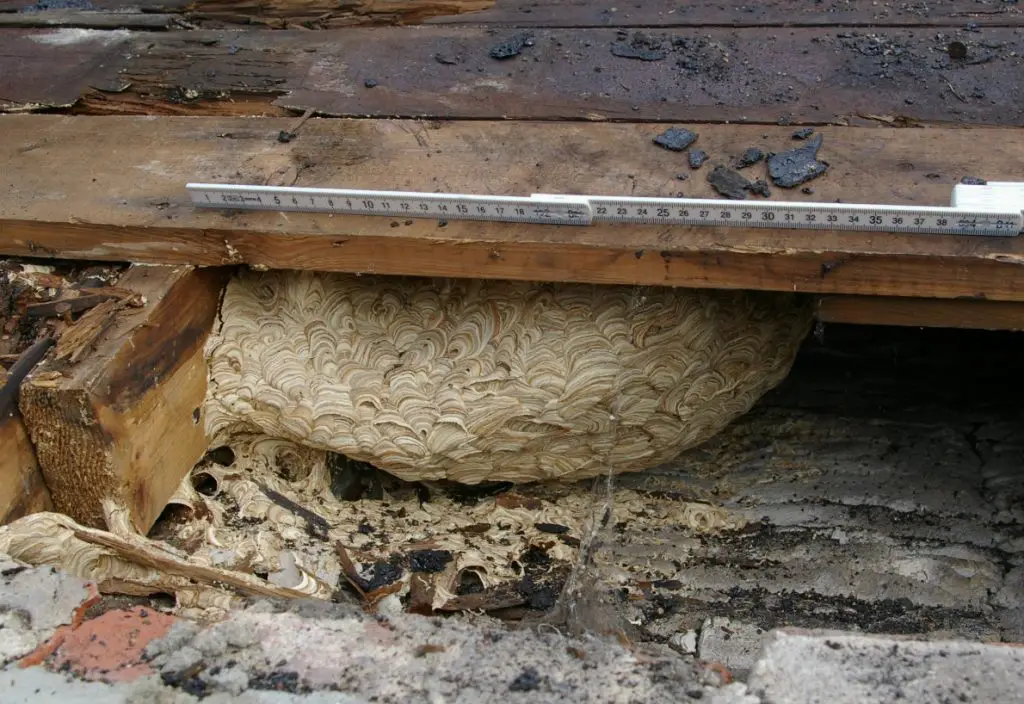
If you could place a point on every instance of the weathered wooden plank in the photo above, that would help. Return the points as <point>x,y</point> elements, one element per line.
<point>125,424</point>
<point>766,13</point>
<point>88,19</point>
<point>43,70</point>
<point>147,6</point>
<point>583,13</point>
<point>922,312</point>
<point>802,75</point>
<point>115,191</point>
<point>22,489</point>
<point>315,13</point>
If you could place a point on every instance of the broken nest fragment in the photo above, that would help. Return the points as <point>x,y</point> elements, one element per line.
<point>238,538</point>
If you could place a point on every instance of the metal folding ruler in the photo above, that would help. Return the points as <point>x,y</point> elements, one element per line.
<point>991,210</point>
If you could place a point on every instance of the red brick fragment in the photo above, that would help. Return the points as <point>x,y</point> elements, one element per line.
<point>110,647</point>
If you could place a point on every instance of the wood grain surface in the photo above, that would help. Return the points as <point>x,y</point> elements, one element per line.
<point>115,190</point>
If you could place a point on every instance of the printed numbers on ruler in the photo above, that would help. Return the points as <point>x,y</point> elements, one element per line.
<point>803,216</point>
<point>403,205</point>
<point>558,209</point>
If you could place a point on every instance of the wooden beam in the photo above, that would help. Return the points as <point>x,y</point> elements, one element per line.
<point>115,191</point>
<point>22,488</point>
<point>126,423</point>
<point>320,13</point>
<point>87,60</point>
<point>766,13</point>
<point>447,72</point>
<point>922,312</point>
<point>86,19</point>
<point>579,13</point>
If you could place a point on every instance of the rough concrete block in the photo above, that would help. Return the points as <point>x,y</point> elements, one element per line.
<point>735,644</point>
<point>302,648</point>
<point>181,633</point>
<point>735,693</point>
<point>47,597</point>
<point>16,637</point>
<point>35,602</point>
<point>35,685</point>
<point>685,643</point>
<point>801,667</point>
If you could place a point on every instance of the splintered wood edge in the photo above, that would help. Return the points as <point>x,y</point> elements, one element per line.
<point>127,422</point>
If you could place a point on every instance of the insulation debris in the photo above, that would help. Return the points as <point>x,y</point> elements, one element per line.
<point>640,46</point>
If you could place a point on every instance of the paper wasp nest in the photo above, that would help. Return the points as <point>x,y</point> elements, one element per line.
<point>474,380</point>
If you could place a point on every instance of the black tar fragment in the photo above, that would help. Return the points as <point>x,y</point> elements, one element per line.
<point>512,46</point>
<point>676,139</point>
<point>797,166</point>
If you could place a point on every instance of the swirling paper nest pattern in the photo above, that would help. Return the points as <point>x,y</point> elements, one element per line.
<point>492,380</point>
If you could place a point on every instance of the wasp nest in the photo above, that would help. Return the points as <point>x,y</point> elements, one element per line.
<point>473,380</point>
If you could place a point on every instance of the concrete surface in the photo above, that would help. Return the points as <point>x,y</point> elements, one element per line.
<point>812,668</point>
<point>35,685</point>
<point>735,644</point>
<point>883,485</point>
<point>314,646</point>
<point>35,602</point>
<point>315,653</point>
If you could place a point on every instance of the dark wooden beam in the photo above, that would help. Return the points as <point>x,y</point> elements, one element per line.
<point>922,312</point>
<point>86,19</point>
<point>125,424</point>
<point>766,13</point>
<point>578,13</point>
<point>812,76</point>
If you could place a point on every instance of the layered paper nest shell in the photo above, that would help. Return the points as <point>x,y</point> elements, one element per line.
<point>474,380</point>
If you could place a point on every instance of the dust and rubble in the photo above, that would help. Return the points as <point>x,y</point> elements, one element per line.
<point>303,648</point>
<point>639,46</point>
<point>43,300</point>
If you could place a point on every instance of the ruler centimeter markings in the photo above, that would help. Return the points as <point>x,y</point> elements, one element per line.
<point>977,210</point>
<point>397,204</point>
<point>832,216</point>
